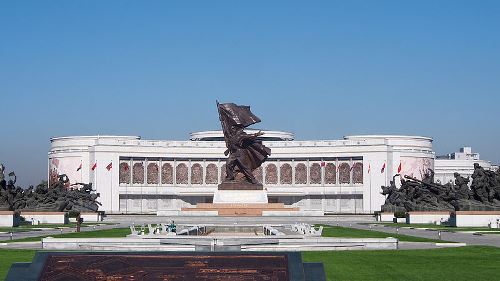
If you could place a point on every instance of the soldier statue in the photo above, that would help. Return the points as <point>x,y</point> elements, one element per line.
<point>246,152</point>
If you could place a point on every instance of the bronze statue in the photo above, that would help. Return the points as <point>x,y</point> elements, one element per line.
<point>426,195</point>
<point>56,198</point>
<point>246,152</point>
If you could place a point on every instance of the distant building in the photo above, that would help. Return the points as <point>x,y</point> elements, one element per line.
<point>334,176</point>
<point>461,162</point>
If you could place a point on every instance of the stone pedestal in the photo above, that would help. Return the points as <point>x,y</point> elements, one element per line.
<point>237,185</point>
<point>45,217</point>
<point>240,196</point>
<point>428,217</point>
<point>475,219</point>
<point>8,219</point>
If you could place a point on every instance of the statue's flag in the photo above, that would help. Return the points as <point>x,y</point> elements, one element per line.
<point>110,165</point>
<point>79,167</point>
<point>94,166</point>
<point>399,168</point>
<point>383,169</point>
<point>237,114</point>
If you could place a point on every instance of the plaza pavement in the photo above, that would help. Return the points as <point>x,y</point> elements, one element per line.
<point>459,237</point>
<point>48,232</point>
<point>354,221</point>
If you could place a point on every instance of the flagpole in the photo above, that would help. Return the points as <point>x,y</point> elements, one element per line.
<point>369,172</point>
<point>111,170</point>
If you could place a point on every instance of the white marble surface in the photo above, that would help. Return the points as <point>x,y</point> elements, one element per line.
<point>240,196</point>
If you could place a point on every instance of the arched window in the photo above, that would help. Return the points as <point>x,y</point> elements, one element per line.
<point>286,174</point>
<point>223,174</point>
<point>300,174</point>
<point>330,173</point>
<point>196,174</point>
<point>257,173</point>
<point>315,174</point>
<point>271,174</point>
<point>124,174</point>
<point>211,176</point>
<point>181,174</point>
<point>167,174</point>
<point>357,173</point>
<point>138,173</point>
<point>344,173</point>
<point>152,173</point>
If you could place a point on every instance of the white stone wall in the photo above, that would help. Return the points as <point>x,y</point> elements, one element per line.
<point>445,168</point>
<point>371,151</point>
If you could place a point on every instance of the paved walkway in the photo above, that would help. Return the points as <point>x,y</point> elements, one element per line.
<point>468,238</point>
<point>48,232</point>
<point>358,222</point>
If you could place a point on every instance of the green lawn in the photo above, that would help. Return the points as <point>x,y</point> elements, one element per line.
<point>464,263</point>
<point>107,233</point>
<point>338,231</point>
<point>7,257</point>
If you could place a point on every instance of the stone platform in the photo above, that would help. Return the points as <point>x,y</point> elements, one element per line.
<point>239,209</point>
<point>238,185</point>
<point>428,217</point>
<point>475,219</point>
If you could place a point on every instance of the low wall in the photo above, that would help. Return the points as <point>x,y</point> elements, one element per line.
<point>8,219</point>
<point>91,217</point>
<point>430,217</point>
<point>183,243</point>
<point>385,217</point>
<point>45,217</point>
<point>475,219</point>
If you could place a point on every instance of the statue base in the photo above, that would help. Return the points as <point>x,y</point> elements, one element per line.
<point>239,185</point>
<point>240,197</point>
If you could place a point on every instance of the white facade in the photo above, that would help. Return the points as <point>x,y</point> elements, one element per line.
<point>147,176</point>
<point>461,162</point>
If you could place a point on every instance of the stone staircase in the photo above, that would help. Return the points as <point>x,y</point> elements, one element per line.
<point>240,209</point>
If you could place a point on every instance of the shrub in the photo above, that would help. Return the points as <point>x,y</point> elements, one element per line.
<point>73,214</point>
<point>400,214</point>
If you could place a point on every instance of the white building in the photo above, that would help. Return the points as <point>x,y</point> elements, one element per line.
<point>461,162</point>
<point>145,176</point>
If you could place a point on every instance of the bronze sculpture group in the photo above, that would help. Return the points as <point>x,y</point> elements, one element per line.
<point>427,195</point>
<point>56,198</point>
<point>246,152</point>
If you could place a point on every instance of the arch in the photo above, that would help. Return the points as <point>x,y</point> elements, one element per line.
<point>357,173</point>
<point>124,173</point>
<point>271,174</point>
<point>315,174</point>
<point>301,173</point>
<point>138,173</point>
<point>152,173</point>
<point>223,174</point>
<point>196,174</point>
<point>257,173</point>
<point>211,176</point>
<point>167,174</point>
<point>286,174</point>
<point>181,174</point>
<point>344,173</point>
<point>330,173</point>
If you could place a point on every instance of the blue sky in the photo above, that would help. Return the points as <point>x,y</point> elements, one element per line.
<point>321,69</point>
